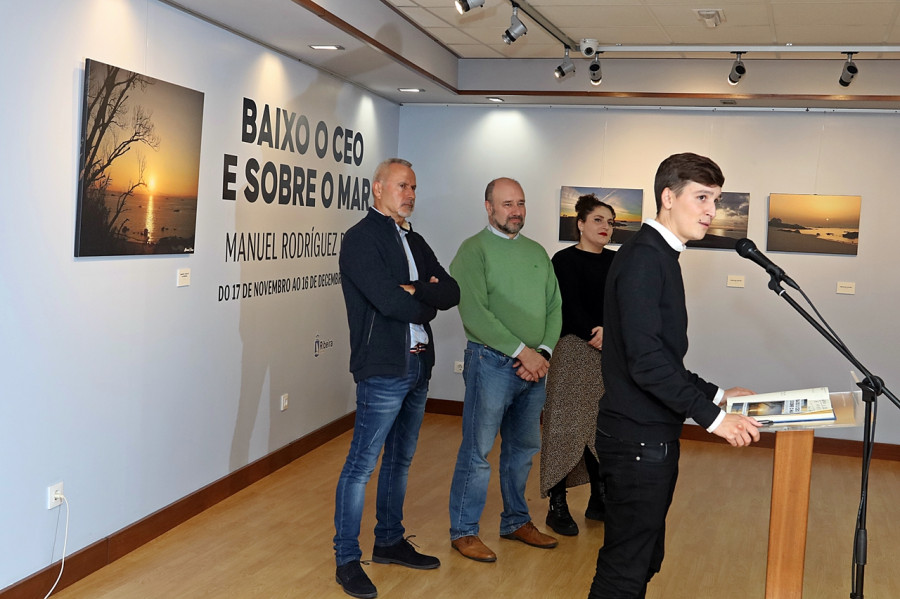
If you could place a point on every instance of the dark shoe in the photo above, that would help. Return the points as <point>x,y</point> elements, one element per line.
<point>472,547</point>
<point>558,516</point>
<point>402,553</point>
<point>596,508</point>
<point>530,535</point>
<point>354,581</point>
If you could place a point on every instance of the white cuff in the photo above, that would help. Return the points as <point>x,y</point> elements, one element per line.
<point>717,421</point>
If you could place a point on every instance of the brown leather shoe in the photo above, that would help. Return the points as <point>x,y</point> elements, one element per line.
<point>472,547</point>
<point>530,535</point>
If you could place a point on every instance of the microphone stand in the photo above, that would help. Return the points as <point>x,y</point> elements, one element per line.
<point>871,386</point>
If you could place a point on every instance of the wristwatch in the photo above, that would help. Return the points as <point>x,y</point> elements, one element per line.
<point>544,353</point>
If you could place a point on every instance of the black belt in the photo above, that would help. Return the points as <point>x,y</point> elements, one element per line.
<point>418,348</point>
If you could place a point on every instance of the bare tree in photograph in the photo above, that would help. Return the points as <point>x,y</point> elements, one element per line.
<point>112,129</point>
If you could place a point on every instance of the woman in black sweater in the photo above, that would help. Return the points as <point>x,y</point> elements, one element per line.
<point>574,382</point>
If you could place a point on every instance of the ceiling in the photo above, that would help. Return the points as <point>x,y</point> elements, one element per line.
<point>653,52</point>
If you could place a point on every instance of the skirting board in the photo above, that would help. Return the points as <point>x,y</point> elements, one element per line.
<point>105,551</point>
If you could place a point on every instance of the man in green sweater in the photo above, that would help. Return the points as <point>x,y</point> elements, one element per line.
<point>511,311</point>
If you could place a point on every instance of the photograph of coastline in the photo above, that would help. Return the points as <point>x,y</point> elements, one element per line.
<point>813,224</point>
<point>626,202</point>
<point>140,164</point>
<point>730,223</point>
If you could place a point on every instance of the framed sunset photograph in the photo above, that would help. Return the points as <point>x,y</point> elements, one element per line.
<point>813,224</point>
<point>730,224</point>
<point>626,202</point>
<point>140,164</point>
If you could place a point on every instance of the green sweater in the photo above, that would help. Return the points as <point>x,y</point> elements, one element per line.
<point>508,292</point>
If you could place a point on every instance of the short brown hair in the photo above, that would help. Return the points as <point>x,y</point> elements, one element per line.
<point>678,170</point>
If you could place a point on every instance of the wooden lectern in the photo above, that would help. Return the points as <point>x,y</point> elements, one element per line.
<point>789,511</point>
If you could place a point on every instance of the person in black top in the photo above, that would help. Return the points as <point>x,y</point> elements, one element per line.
<point>574,382</point>
<point>649,392</point>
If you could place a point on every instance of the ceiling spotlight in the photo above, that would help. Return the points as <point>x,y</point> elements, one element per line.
<point>464,6</point>
<point>594,68</point>
<point>565,67</point>
<point>738,69</point>
<point>850,70</point>
<point>516,28</point>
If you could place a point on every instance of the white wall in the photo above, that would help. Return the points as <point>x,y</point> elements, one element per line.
<point>747,337</point>
<point>131,391</point>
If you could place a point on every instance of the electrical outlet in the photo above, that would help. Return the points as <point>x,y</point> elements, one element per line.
<point>54,495</point>
<point>284,402</point>
<point>458,367</point>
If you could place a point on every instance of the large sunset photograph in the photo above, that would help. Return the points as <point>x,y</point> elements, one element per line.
<point>626,202</point>
<point>813,224</point>
<point>140,163</point>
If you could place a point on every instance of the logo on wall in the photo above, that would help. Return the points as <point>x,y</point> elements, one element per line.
<point>321,345</point>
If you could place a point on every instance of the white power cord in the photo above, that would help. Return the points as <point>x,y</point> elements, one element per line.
<point>62,564</point>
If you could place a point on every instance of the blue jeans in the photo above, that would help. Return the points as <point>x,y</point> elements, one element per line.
<point>389,412</point>
<point>497,400</point>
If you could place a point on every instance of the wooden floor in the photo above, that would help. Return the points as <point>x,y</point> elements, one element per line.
<point>273,539</point>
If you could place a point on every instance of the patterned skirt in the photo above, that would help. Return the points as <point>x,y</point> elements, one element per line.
<point>574,389</point>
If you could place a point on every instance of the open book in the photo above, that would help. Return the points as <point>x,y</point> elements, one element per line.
<point>803,405</point>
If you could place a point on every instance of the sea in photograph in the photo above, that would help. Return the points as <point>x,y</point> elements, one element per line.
<point>731,232</point>
<point>806,241</point>
<point>622,229</point>
<point>149,218</point>
<point>841,235</point>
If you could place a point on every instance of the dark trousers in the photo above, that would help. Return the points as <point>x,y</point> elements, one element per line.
<point>593,471</point>
<point>640,480</point>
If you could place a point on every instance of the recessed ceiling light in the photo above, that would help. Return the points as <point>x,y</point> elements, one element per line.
<point>495,99</point>
<point>326,47</point>
<point>410,90</point>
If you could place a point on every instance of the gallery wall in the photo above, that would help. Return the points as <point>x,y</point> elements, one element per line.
<point>131,391</point>
<point>749,336</point>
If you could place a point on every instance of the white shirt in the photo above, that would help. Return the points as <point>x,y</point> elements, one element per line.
<point>417,332</point>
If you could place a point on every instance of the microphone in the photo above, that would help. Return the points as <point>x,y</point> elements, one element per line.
<point>747,249</point>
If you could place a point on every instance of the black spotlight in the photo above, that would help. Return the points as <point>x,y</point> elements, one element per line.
<point>850,70</point>
<point>738,69</point>
<point>594,69</point>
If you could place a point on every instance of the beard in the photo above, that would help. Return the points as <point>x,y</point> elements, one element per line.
<point>510,227</point>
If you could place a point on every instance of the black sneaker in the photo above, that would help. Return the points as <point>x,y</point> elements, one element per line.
<point>559,518</point>
<point>403,553</point>
<point>354,581</point>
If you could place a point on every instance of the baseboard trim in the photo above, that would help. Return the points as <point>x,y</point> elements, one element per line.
<point>105,551</point>
<point>444,406</point>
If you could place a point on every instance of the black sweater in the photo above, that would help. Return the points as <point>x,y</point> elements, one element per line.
<point>373,265</point>
<point>582,277</point>
<point>649,392</point>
